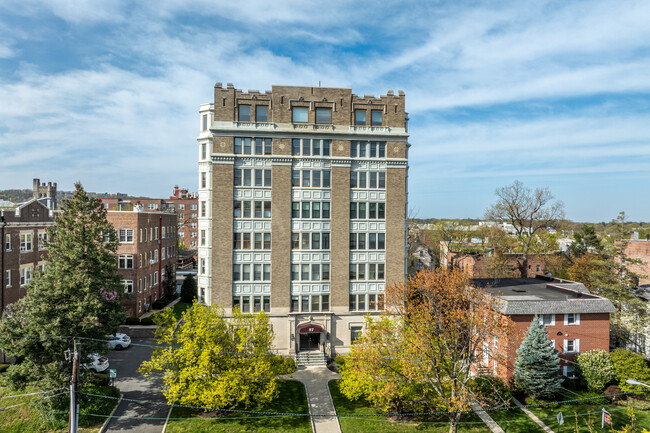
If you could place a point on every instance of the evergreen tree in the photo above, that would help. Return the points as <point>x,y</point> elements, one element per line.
<point>537,367</point>
<point>188,289</point>
<point>169,283</point>
<point>585,241</point>
<point>78,295</point>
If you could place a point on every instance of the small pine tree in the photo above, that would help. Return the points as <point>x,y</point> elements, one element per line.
<point>537,368</point>
<point>188,289</point>
<point>169,283</point>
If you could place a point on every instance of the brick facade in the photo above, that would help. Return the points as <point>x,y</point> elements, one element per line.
<point>143,254</point>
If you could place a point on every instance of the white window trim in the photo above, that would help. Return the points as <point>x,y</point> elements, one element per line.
<point>576,345</point>
<point>566,319</point>
<point>552,319</point>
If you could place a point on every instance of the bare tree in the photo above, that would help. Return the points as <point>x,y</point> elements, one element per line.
<point>530,212</point>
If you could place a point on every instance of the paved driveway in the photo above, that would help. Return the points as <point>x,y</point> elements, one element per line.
<point>134,386</point>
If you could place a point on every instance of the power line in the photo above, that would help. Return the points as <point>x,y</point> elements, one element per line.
<point>31,393</point>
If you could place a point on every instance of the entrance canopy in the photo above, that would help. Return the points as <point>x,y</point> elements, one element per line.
<point>309,328</point>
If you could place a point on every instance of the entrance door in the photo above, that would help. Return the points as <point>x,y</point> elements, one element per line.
<point>309,341</point>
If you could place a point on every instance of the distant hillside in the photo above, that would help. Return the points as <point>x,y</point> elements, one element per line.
<point>21,195</point>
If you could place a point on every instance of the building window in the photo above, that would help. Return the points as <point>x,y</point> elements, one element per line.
<point>250,146</point>
<point>128,286</point>
<point>355,331</point>
<point>192,243</point>
<point>203,207</point>
<point>323,115</point>
<point>244,113</point>
<point>26,242</point>
<point>125,261</point>
<point>311,178</point>
<point>26,274</point>
<point>360,117</point>
<point>126,235</point>
<point>368,149</point>
<point>260,272</point>
<point>569,371</point>
<point>204,179</point>
<point>181,206</point>
<point>299,115</point>
<point>310,241</point>
<point>42,239</point>
<point>202,267</point>
<point>202,238</point>
<point>7,242</point>
<point>572,319</point>
<point>310,303</point>
<point>375,241</point>
<point>367,302</point>
<point>547,319</point>
<point>203,151</point>
<point>193,207</point>
<point>571,346</point>
<point>8,278</point>
<point>376,118</point>
<point>262,113</point>
<point>205,122</point>
<point>310,147</point>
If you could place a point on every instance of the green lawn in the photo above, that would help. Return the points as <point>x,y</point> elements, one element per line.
<point>619,414</point>
<point>24,419</point>
<point>380,424</point>
<point>292,399</point>
<point>178,308</point>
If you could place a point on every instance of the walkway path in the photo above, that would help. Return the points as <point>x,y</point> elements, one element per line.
<point>170,305</point>
<point>532,416</point>
<point>487,419</point>
<point>319,399</point>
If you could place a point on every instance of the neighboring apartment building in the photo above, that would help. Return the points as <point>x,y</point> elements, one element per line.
<point>182,202</point>
<point>576,320</point>
<point>302,208</point>
<point>23,232</point>
<point>639,249</point>
<point>148,243</point>
<point>486,266</point>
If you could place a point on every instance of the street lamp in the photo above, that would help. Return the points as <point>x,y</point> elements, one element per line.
<point>636,382</point>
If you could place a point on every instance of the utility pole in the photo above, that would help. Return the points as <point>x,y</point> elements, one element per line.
<point>73,420</point>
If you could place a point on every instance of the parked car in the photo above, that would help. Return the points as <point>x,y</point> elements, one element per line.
<point>118,341</point>
<point>97,362</point>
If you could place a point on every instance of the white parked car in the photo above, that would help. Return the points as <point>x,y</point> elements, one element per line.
<point>97,362</point>
<point>118,341</point>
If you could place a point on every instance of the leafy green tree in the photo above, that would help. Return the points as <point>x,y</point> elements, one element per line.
<point>530,213</point>
<point>537,368</point>
<point>77,295</point>
<point>189,289</point>
<point>585,241</point>
<point>595,369</point>
<point>169,283</point>
<point>628,364</point>
<point>210,361</point>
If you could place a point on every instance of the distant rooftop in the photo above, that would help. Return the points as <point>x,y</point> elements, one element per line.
<point>544,295</point>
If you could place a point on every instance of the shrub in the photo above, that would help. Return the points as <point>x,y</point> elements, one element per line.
<point>146,321</point>
<point>630,364</point>
<point>595,369</point>
<point>96,405</point>
<point>611,393</point>
<point>132,321</point>
<point>160,304</point>
<point>284,364</point>
<point>490,391</point>
<point>99,379</point>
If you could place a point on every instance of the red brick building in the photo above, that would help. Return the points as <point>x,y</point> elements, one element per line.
<point>181,202</point>
<point>576,320</point>
<point>640,249</point>
<point>482,266</point>
<point>23,230</point>
<point>148,243</point>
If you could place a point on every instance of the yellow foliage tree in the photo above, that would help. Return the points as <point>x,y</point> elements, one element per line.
<point>420,354</point>
<point>209,361</point>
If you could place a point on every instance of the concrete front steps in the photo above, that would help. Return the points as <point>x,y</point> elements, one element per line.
<point>311,359</point>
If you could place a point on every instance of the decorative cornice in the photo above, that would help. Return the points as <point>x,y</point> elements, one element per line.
<point>223,159</point>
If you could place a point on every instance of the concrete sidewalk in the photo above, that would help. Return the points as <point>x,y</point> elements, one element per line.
<point>319,399</point>
<point>532,416</point>
<point>171,304</point>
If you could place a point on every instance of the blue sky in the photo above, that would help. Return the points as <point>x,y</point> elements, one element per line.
<point>551,93</point>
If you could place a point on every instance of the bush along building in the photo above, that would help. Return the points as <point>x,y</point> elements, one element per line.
<point>302,208</point>
<point>576,320</point>
<point>148,244</point>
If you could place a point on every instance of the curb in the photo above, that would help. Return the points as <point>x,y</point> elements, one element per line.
<point>167,419</point>
<point>102,429</point>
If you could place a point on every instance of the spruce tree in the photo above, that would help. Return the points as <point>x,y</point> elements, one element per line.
<point>188,289</point>
<point>537,368</point>
<point>77,295</point>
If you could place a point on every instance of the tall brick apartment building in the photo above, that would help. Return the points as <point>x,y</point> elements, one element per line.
<point>23,231</point>
<point>576,320</point>
<point>302,208</point>
<point>148,243</point>
<point>181,202</point>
